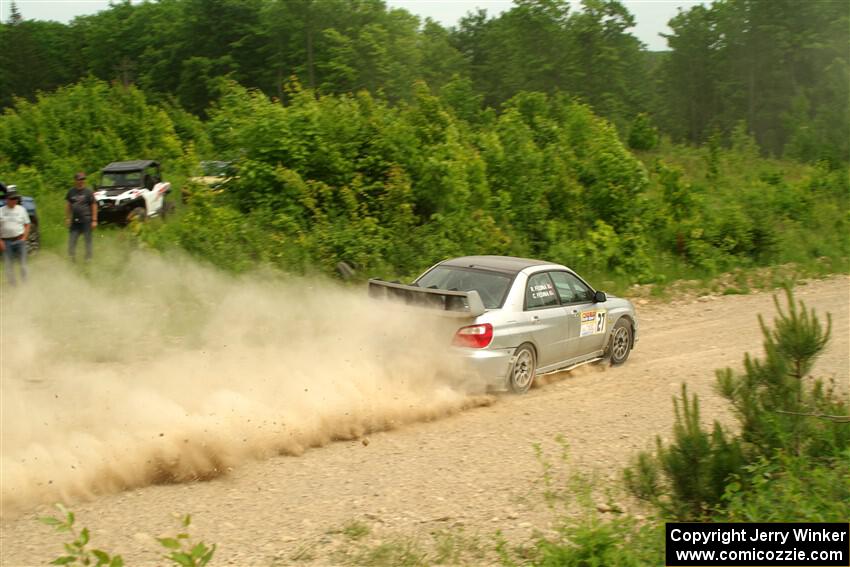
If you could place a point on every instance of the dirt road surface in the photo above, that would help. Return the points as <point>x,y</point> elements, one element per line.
<point>475,470</point>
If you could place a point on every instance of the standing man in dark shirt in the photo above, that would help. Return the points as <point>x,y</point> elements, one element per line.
<point>80,215</point>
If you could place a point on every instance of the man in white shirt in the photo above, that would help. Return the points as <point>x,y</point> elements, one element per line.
<point>14,230</point>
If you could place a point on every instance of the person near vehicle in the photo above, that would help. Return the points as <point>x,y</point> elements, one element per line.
<point>80,215</point>
<point>14,230</point>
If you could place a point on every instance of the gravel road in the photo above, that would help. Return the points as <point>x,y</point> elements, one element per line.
<point>474,471</point>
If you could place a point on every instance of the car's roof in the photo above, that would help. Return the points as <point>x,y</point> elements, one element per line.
<point>124,166</point>
<point>506,264</point>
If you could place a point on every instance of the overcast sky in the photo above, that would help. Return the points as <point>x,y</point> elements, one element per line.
<point>651,15</point>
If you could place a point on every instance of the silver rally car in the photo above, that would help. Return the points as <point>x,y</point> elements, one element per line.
<point>518,318</point>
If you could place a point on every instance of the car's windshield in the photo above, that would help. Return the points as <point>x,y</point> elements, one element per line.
<point>491,286</point>
<point>123,179</point>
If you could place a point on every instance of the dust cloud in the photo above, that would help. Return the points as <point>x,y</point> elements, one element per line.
<point>162,370</point>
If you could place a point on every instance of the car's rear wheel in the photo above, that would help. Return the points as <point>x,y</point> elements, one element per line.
<point>521,374</point>
<point>620,343</point>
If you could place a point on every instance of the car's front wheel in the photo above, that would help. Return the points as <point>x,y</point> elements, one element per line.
<point>620,343</point>
<point>521,374</point>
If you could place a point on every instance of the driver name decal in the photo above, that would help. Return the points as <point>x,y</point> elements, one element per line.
<point>542,291</point>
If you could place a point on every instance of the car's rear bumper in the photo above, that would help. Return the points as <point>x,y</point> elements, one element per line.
<point>489,364</point>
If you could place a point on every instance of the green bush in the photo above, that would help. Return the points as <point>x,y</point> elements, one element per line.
<point>788,487</point>
<point>620,542</point>
<point>775,399</point>
<point>686,478</point>
<point>181,550</point>
<point>642,134</point>
<point>393,188</point>
<point>783,414</point>
<point>78,551</point>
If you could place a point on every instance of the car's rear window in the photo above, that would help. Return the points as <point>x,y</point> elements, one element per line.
<point>491,286</point>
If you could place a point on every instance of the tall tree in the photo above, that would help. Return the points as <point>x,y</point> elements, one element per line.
<point>778,67</point>
<point>690,75</point>
<point>542,45</point>
<point>35,58</point>
<point>15,16</point>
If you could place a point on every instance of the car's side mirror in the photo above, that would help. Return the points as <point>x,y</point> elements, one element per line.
<point>600,297</point>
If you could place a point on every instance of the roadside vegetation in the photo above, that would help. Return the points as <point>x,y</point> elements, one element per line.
<point>357,133</point>
<point>390,189</point>
<point>179,550</point>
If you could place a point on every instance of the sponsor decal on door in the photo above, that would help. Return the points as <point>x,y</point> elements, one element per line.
<point>593,322</point>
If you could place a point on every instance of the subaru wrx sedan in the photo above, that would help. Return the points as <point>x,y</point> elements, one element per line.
<point>519,318</point>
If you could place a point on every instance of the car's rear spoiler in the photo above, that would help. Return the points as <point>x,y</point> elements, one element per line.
<point>452,303</point>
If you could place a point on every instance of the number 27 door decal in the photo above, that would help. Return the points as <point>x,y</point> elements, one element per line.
<point>600,321</point>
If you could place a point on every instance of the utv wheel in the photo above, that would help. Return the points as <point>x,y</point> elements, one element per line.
<point>521,373</point>
<point>167,209</point>
<point>139,214</point>
<point>620,343</point>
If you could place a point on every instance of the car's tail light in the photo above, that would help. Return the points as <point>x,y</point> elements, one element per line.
<point>474,336</point>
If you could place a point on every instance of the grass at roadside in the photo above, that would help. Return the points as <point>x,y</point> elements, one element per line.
<point>358,543</point>
<point>587,526</point>
<point>451,546</point>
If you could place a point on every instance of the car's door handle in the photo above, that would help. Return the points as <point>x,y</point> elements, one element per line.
<point>535,319</point>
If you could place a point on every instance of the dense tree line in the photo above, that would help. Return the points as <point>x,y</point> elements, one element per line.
<point>393,186</point>
<point>778,67</point>
<point>357,133</point>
